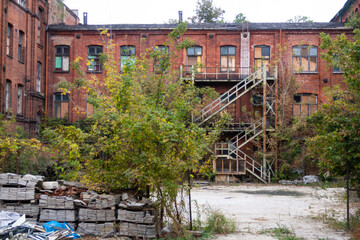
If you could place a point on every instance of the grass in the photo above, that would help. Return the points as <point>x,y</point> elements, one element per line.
<point>218,223</point>
<point>341,225</point>
<point>282,232</point>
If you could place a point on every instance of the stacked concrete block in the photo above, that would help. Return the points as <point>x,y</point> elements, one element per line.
<point>56,202</point>
<point>98,201</point>
<point>30,210</point>
<point>96,215</point>
<point>137,219</point>
<point>99,229</point>
<point>17,194</point>
<point>57,215</point>
<point>11,179</point>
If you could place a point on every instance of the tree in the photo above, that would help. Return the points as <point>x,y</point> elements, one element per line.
<point>300,19</point>
<point>142,134</point>
<point>206,12</point>
<point>17,152</point>
<point>337,122</point>
<point>240,18</point>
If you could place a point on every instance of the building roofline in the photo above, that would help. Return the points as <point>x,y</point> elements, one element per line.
<point>343,10</point>
<point>206,26</point>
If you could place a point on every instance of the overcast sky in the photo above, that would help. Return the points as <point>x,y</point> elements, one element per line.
<point>160,11</point>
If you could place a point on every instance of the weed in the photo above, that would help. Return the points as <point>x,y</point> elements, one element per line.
<point>282,232</point>
<point>218,223</point>
<point>337,224</point>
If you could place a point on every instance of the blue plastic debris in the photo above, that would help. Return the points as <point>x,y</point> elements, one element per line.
<point>54,226</point>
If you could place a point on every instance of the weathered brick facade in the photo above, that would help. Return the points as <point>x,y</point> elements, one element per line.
<point>23,58</point>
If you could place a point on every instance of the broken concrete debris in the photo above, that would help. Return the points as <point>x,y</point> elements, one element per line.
<point>87,212</point>
<point>305,180</point>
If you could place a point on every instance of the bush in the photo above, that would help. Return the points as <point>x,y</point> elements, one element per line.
<point>218,223</point>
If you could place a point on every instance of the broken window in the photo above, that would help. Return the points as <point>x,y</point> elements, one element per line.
<point>19,100</point>
<point>21,48</point>
<point>194,58</point>
<point>9,40</point>
<point>227,58</point>
<point>61,105</point>
<point>127,56</point>
<point>38,77</point>
<point>8,96</point>
<point>161,59</point>
<point>305,104</point>
<point>40,13</point>
<point>262,57</point>
<point>93,58</point>
<point>62,58</point>
<point>305,59</point>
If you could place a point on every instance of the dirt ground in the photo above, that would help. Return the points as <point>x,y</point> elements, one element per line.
<point>257,208</point>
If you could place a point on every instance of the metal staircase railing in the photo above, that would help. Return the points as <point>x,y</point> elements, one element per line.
<point>229,97</point>
<point>248,134</point>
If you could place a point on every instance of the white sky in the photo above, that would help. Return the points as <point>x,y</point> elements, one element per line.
<point>160,11</point>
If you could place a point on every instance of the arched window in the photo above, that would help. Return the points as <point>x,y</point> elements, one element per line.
<point>20,93</point>
<point>305,59</point>
<point>93,58</point>
<point>227,58</point>
<point>39,34</point>
<point>62,58</point>
<point>38,76</point>
<point>8,96</point>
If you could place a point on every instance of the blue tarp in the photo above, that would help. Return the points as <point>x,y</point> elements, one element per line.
<point>53,226</point>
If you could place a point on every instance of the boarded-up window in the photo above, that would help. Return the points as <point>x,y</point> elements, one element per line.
<point>194,58</point>
<point>305,58</point>
<point>262,57</point>
<point>61,105</point>
<point>227,58</point>
<point>305,104</point>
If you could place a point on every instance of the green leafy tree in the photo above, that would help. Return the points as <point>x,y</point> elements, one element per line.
<point>240,18</point>
<point>142,134</point>
<point>337,122</point>
<point>300,19</point>
<point>206,12</point>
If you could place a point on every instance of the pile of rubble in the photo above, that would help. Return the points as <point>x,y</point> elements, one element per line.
<point>305,180</point>
<point>85,211</point>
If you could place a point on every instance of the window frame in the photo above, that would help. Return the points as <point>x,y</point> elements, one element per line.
<point>38,76</point>
<point>256,59</point>
<point>198,69</point>
<point>336,69</point>
<point>126,52</point>
<point>94,65</point>
<point>62,56</point>
<point>302,104</point>
<point>20,94</point>
<point>308,57</point>
<point>39,27</point>
<point>21,48</point>
<point>22,3</point>
<point>9,40</point>
<point>228,55</point>
<point>157,62</point>
<point>8,88</point>
<point>64,98</point>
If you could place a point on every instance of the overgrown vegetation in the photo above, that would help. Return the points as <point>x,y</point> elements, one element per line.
<point>141,134</point>
<point>282,232</point>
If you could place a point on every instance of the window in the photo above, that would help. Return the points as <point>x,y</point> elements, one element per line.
<point>305,104</point>
<point>336,67</point>
<point>9,39</point>
<point>19,99</point>
<point>194,57</point>
<point>62,58</point>
<point>305,58</point>
<point>262,57</point>
<point>161,59</point>
<point>127,56</point>
<point>38,77</point>
<point>40,13</point>
<point>21,49</point>
<point>61,105</point>
<point>8,96</point>
<point>22,2</point>
<point>94,64</point>
<point>227,58</point>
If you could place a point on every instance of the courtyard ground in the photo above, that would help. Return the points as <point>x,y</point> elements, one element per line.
<point>258,208</point>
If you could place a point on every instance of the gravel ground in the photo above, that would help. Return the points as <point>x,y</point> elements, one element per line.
<point>258,208</point>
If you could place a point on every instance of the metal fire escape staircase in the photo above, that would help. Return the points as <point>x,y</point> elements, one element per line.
<point>233,148</point>
<point>229,97</point>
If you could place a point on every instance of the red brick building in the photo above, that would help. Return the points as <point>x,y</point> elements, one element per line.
<point>23,57</point>
<point>34,60</point>
<point>350,9</point>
